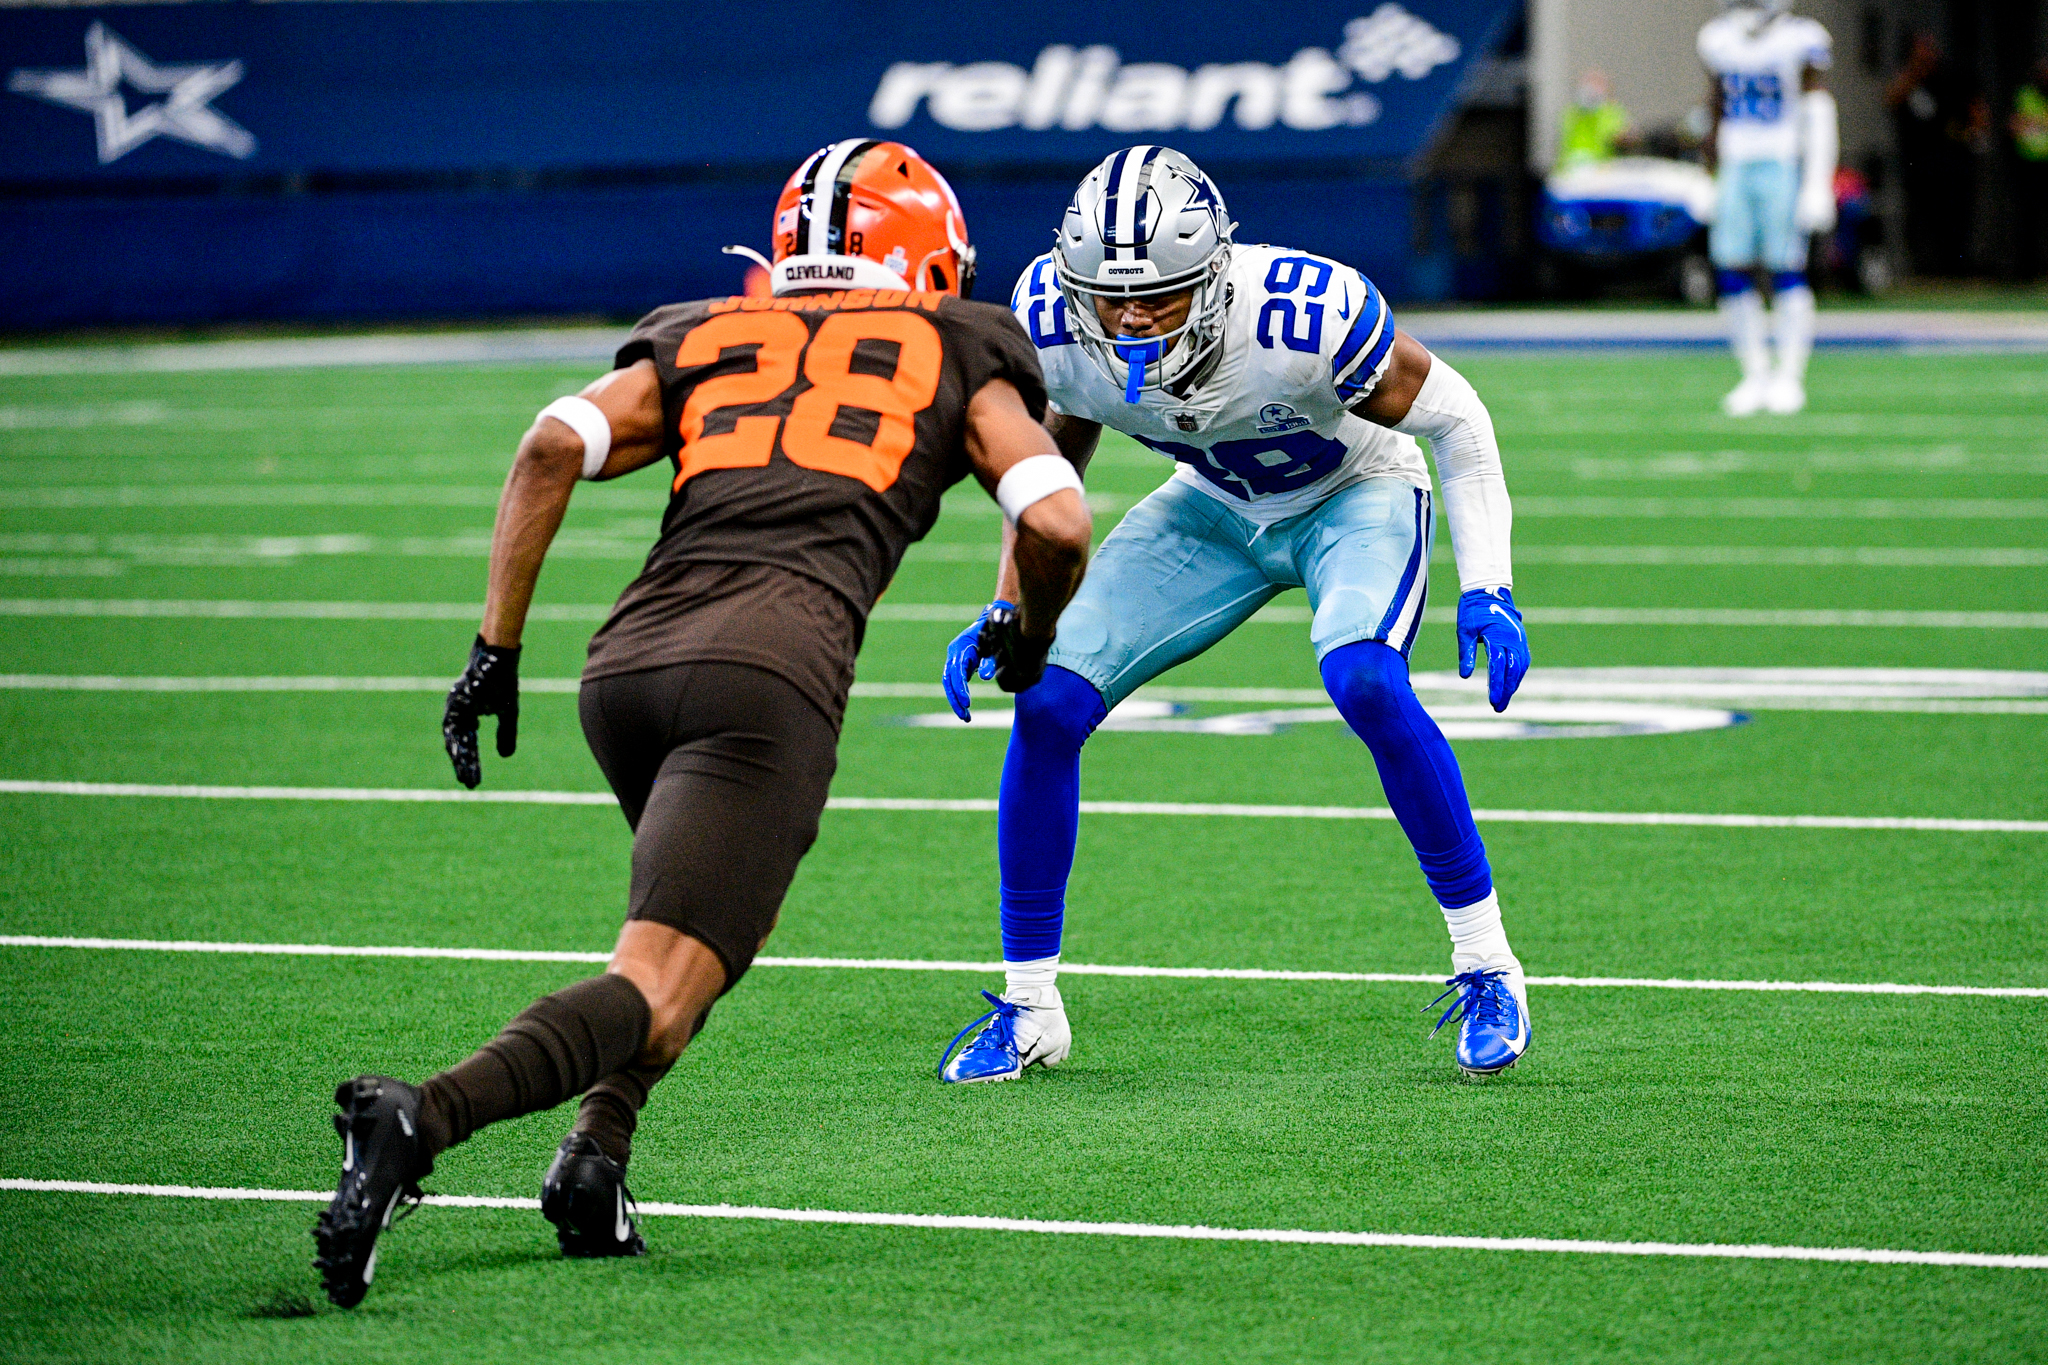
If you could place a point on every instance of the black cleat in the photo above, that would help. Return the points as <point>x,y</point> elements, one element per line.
<point>380,1170</point>
<point>584,1195</point>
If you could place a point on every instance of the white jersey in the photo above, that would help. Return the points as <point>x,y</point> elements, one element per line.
<point>1760,64</point>
<point>1267,432</point>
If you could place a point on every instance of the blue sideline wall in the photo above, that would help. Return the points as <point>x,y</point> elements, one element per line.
<point>499,157</point>
<point>181,259</point>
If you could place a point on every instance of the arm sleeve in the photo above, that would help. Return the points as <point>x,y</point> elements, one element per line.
<point>1475,490</point>
<point>1820,52</point>
<point>1364,342</point>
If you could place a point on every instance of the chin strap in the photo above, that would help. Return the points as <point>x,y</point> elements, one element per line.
<point>1137,353</point>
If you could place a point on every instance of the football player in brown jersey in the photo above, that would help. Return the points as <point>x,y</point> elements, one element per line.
<point>810,433</point>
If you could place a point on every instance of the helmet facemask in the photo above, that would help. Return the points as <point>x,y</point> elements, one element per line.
<point>1165,358</point>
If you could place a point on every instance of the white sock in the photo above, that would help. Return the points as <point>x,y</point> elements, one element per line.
<point>1793,316</point>
<point>1039,977</point>
<point>1744,314</point>
<point>1477,939</point>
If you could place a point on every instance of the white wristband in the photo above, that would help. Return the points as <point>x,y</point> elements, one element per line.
<point>587,420</point>
<point>1033,479</point>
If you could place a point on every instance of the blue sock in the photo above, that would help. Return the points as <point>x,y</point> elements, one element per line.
<point>1369,683</point>
<point>1040,812</point>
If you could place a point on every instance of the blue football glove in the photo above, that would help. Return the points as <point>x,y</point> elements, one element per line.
<point>964,659</point>
<point>1488,616</point>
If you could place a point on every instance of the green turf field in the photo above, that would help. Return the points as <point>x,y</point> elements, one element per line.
<point>1915,484</point>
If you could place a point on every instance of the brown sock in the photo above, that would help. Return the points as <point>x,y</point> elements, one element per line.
<point>561,1046</point>
<point>611,1108</point>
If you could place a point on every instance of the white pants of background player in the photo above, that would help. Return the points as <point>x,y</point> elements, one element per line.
<point>1754,227</point>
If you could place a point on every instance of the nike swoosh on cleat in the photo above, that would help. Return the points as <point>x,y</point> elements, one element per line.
<point>348,1152</point>
<point>405,1122</point>
<point>623,1229</point>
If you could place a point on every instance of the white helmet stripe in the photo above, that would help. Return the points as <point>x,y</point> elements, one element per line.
<point>1129,190</point>
<point>807,182</point>
<point>827,181</point>
<point>1112,232</point>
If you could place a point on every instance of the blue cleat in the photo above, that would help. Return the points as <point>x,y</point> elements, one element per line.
<point>1493,1013</point>
<point>1014,1035</point>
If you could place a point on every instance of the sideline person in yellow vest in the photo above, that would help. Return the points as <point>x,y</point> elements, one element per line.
<point>2029,126</point>
<point>1594,127</point>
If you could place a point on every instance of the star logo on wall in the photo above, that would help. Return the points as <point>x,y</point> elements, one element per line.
<point>184,112</point>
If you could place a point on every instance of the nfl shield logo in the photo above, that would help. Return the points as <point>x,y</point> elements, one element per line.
<point>1186,421</point>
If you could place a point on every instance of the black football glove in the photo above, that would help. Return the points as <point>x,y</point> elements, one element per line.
<point>1019,659</point>
<point>488,687</point>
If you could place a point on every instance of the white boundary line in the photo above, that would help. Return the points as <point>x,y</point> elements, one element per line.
<point>904,964</point>
<point>1165,1231</point>
<point>985,805</point>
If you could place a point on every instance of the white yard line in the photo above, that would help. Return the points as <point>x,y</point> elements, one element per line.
<point>1780,556</point>
<point>1771,509</point>
<point>987,805</point>
<point>1063,1227</point>
<point>155,549</point>
<point>964,612</point>
<point>1947,331</point>
<point>1927,691</point>
<point>556,345</point>
<point>653,495</point>
<point>908,964</point>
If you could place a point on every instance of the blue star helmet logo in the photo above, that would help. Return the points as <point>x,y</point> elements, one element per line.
<point>1205,196</point>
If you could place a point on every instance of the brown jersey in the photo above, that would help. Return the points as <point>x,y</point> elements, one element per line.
<point>811,437</point>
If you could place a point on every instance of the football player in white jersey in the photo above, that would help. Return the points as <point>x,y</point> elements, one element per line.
<point>1774,143</point>
<point>1278,384</point>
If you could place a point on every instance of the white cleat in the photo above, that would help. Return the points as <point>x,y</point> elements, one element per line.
<point>1747,398</point>
<point>1785,396</point>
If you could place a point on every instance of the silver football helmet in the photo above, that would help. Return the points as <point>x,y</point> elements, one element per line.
<point>1146,221</point>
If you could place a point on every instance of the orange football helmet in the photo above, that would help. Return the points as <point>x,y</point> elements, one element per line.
<point>863,214</point>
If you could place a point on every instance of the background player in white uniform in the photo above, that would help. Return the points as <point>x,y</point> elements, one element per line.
<point>1272,378</point>
<point>1775,142</point>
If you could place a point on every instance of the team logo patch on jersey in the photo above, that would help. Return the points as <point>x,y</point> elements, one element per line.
<point>1275,418</point>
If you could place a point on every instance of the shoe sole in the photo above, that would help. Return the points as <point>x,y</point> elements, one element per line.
<point>581,1209</point>
<point>978,1080</point>
<point>578,1248</point>
<point>345,1288</point>
<point>339,1248</point>
<point>1047,1062</point>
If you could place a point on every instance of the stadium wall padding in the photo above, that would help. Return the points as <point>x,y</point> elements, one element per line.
<point>184,163</point>
<point>185,259</point>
